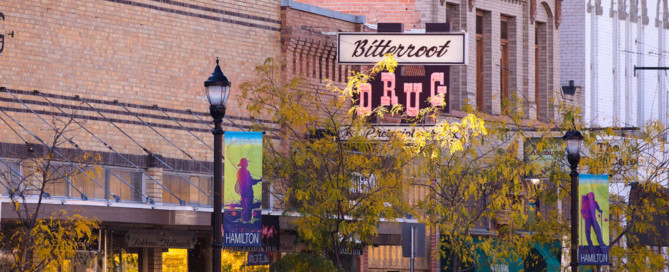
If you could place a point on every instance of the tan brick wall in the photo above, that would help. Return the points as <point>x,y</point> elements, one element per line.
<point>141,52</point>
<point>377,11</point>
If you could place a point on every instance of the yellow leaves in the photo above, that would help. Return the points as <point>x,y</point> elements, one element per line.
<point>56,239</point>
<point>447,136</point>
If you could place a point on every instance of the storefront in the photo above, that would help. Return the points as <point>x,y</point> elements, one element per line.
<point>542,257</point>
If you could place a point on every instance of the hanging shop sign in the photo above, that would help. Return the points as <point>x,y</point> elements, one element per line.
<point>414,87</point>
<point>593,191</point>
<point>407,48</point>
<point>243,189</point>
<point>381,132</point>
<point>288,243</point>
<point>160,239</point>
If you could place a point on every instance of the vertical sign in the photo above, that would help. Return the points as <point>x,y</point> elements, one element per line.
<point>593,246</point>
<point>243,189</point>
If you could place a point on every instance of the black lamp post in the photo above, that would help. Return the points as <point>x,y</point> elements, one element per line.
<point>218,90</point>
<point>573,140</point>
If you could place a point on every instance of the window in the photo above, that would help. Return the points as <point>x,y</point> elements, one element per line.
<point>183,189</point>
<point>126,184</point>
<point>480,61</point>
<point>10,176</point>
<point>100,183</point>
<point>197,197</point>
<point>91,182</point>
<point>540,69</point>
<point>504,61</point>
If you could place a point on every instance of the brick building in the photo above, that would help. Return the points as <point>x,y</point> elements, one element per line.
<point>513,47</point>
<point>513,51</point>
<point>603,43</point>
<point>131,74</point>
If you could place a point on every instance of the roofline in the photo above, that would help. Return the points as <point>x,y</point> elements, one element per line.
<point>324,12</point>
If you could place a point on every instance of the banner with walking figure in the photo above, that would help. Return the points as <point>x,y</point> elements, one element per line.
<point>243,189</point>
<point>593,191</point>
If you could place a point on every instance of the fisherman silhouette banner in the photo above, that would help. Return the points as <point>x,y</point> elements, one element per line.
<point>243,189</point>
<point>593,191</point>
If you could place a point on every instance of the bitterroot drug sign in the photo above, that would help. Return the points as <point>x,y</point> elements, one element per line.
<point>407,48</point>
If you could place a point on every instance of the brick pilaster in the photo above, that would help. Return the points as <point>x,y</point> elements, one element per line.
<point>153,190</point>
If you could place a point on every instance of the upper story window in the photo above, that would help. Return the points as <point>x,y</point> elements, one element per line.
<point>504,61</point>
<point>187,189</point>
<point>480,61</point>
<point>10,175</point>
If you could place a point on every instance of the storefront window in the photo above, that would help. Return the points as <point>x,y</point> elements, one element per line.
<point>175,260</point>
<point>122,261</point>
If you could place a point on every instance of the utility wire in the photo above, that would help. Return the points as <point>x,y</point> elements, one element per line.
<point>186,129</point>
<point>182,202</point>
<point>62,134</point>
<point>18,174</point>
<point>105,144</point>
<point>83,196</point>
<point>165,138</point>
<point>200,118</point>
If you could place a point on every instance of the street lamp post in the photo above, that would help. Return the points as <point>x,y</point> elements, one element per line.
<point>218,90</point>
<point>573,139</point>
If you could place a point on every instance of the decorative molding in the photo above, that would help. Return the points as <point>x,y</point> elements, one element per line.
<point>622,10</point>
<point>558,13</point>
<point>644,12</point>
<point>634,10</point>
<point>519,2</point>
<point>533,10</point>
<point>599,8</point>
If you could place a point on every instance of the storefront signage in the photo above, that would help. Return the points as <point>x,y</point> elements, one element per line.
<point>257,258</point>
<point>407,48</point>
<point>593,244</point>
<point>288,243</point>
<point>2,36</point>
<point>160,239</point>
<point>242,225</point>
<point>414,87</point>
<point>380,133</point>
<point>356,250</point>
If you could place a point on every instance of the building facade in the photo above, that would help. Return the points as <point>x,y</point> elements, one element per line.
<point>513,48</point>
<point>130,74</point>
<point>513,54</point>
<point>604,49</point>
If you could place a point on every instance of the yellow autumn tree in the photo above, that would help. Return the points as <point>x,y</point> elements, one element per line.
<point>636,160</point>
<point>324,166</point>
<point>44,241</point>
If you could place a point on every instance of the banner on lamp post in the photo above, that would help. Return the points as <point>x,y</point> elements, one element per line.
<point>243,189</point>
<point>593,192</point>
